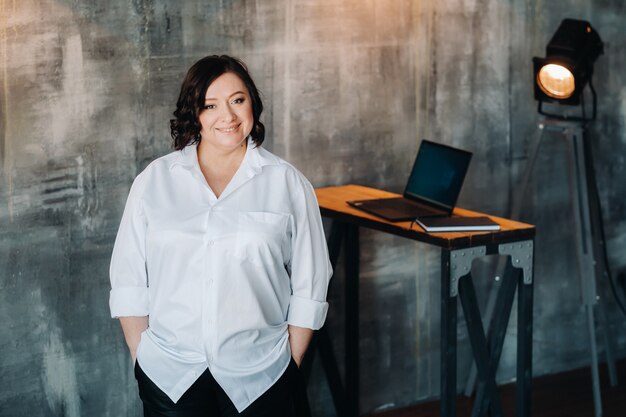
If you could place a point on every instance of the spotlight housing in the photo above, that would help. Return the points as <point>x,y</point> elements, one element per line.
<point>561,76</point>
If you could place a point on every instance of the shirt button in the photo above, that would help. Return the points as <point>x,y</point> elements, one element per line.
<point>211,243</point>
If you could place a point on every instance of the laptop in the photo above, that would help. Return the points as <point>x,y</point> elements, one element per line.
<point>432,189</point>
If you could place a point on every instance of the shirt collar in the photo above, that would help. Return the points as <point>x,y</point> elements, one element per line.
<point>186,158</point>
<point>253,162</point>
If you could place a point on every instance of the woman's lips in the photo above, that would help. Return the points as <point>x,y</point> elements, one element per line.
<point>230,129</point>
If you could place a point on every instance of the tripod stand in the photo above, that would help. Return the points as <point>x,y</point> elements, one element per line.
<point>589,241</point>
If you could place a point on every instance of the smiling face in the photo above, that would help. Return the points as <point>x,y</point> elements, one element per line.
<point>227,118</point>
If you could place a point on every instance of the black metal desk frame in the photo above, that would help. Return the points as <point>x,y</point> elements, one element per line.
<point>456,283</point>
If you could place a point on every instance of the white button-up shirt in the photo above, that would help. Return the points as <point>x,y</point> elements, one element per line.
<point>220,278</point>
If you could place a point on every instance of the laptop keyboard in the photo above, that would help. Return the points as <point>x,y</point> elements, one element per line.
<point>402,205</point>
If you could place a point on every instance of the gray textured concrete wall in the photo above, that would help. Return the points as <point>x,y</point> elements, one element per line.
<point>350,87</point>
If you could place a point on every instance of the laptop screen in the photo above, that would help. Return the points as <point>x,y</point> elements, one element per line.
<point>438,174</point>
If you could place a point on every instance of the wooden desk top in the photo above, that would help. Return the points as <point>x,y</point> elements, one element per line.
<point>332,201</point>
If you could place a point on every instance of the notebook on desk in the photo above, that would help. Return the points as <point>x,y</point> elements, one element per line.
<point>457,224</point>
<point>433,187</point>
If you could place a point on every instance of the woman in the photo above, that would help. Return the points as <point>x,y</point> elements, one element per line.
<point>220,268</point>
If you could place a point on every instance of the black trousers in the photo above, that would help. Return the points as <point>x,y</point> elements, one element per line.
<point>286,398</point>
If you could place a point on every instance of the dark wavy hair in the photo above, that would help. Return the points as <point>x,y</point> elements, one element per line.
<point>185,128</point>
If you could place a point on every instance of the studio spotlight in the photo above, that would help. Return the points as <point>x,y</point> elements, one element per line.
<point>562,75</point>
<point>561,78</point>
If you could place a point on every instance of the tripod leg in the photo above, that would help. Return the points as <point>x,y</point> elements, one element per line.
<point>608,343</point>
<point>595,377</point>
<point>599,248</point>
<point>520,192</point>
<point>585,252</point>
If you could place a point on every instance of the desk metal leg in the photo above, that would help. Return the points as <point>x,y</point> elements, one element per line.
<point>524,348</point>
<point>457,280</point>
<point>486,373</point>
<point>335,239</point>
<point>497,331</point>
<point>454,265</point>
<point>448,341</point>
<point>522,256</point>
<point>321,341</point>
<point>351,251</point>
<point>346,402</point>
<point>327,356</point>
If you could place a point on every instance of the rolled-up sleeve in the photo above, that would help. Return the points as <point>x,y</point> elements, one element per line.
<point>129,280</point>
<point>310,265</point>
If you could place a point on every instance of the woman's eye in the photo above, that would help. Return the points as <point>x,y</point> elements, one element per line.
<point>238,100</point>
<point>209,106</point>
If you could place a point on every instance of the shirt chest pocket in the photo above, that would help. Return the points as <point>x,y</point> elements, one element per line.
<point>261,237</point>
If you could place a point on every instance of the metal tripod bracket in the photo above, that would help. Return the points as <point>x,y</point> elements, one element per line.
<point>521,254</point>
<point>461,265</point>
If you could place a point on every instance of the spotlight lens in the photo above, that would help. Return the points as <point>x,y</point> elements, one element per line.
<point>556,81</point>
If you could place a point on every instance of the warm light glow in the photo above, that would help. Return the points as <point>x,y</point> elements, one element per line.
<point>556,81</point>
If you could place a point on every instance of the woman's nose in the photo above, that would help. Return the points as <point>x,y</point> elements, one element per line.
<point>229,114</point>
